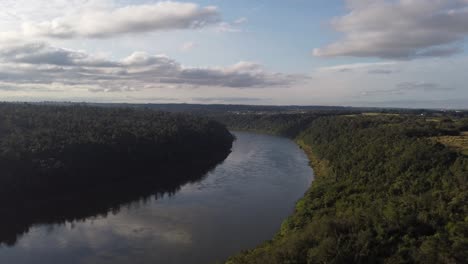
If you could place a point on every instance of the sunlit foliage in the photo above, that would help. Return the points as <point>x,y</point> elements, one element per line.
<point>384,193</point>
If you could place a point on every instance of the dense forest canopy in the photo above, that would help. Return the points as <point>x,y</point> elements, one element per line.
<point>385,192</point>
<point>46,149</point>
<point>67,163</point>
<point>287,125</point>
<point>391,185</point>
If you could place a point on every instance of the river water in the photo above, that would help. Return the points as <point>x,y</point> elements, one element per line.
<point>236,206</point>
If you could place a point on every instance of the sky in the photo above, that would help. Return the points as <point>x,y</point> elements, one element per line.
<point>385,53</point>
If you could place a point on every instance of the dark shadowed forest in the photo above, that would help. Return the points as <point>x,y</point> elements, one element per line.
<point>62,163</point>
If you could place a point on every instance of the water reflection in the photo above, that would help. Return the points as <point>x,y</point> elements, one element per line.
<point>239,204</point>
<point>18,216</point>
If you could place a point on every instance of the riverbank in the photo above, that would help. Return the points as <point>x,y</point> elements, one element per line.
<point>243,200</point>
<point>321,171</point>
<point>383,193</point>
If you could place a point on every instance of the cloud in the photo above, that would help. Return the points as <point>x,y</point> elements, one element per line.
<point>405,87</point>
<point>32,64</point>
<point>188,46</point>
<point>227,99</point>
<point>227,27</point>
<point>400,29</point>
<point>231,27</point>
<point>427,104</point>
<point>241,20</point>
<point>373,68</point>
<point>421,86</point>
<point>240,75</point>
<point>41,53</point>
<point>108,20</point>
<point>381,71</point>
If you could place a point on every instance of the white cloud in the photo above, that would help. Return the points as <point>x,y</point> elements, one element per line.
<point>404,88</point>
<point>400,29</point>
<point>103,19</point>
<point>241,20</point>
<point>358,66</point>
<point>188,46</point>
<point>391,81</point>
<point>228,100</point>
<point>32,64</point>
<point>227,27</point>
<point>231,27</point>
<point>43,54</point>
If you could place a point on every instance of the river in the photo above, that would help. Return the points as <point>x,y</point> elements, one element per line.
<point>236,206</point>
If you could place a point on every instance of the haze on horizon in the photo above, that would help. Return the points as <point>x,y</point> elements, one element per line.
<point>400,53</point>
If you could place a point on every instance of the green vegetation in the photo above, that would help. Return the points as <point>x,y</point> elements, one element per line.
<point>67,163</point>
<point>282,124</point>
<point>287,125</point>
<point>458,143</point>
<point>378,114</point>
<point>386,189</point>
<point>384,193</point>
<point>55,150</point>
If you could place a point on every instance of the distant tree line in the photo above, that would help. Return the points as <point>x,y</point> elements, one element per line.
<point>281,124</point>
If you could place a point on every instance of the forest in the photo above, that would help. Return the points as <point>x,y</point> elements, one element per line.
<point>384,192</point>
<point>390,186</point>
<point>80,160</point>
<point>287,125</point>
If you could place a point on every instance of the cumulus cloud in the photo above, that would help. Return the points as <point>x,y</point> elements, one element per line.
<point>41,53</point>
<point>105,21</point>
<point>240,75</point>
<point>39,63</point>
<point>400,29</point>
